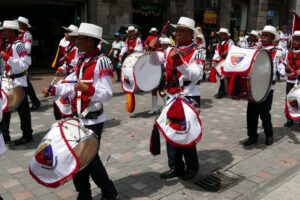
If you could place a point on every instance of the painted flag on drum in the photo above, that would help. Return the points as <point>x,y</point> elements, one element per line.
<point>66,148</point>
<point>292,108</point>
<point>179,123</point>
<point>54,163</point>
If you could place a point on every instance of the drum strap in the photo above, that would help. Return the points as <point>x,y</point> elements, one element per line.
<point>13,76</point>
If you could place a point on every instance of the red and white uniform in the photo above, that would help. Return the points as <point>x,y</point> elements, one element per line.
<point>132,45</point>
<point>293,60</point>
<point>62,46</point>
<point>284,40</point>
<point>253,45</point>
<point>26,37</point>
<point>191,70</point>
<point>222,49</point>
<point>278,60</point>
<point>72,58</point>
<point>149,39</point>
<point>96,68</point>
<point>16,61</point>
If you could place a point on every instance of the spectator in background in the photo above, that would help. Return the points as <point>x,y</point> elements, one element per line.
<point>243,39</point>
<point>153,35</point>
<point>284,37</point>
<point>212,44</point>
<point>114,52</point>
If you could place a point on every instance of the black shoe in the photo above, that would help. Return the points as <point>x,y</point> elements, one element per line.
<point>115,197</point>
<point>250,141</point>
<point>289,123</point>
<point>170,174</point>
<point>35,107</point>
<point>188,175</point>
<point>7,140</point>
<point>219,96</point>
<point>22,141</point>
<point>269,141</point>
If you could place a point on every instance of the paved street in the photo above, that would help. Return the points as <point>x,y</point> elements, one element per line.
<point>136,172</point>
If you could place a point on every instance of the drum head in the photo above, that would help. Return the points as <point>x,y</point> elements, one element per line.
<point>261,76</point>
<point>15,97</point>
<point>87,146</point>
<point>147,75</point>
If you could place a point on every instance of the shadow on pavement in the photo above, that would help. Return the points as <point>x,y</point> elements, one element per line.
<point>112,123</point>
<point>143,114</point>
<point>206,103</point>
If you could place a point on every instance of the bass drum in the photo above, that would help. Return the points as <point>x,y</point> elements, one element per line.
<point>138,72</point>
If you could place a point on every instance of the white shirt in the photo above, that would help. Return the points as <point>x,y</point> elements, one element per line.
<point>117,46</point>
<point>243,41</point>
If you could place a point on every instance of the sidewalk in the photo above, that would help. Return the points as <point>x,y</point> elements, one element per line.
<point>136,173</point>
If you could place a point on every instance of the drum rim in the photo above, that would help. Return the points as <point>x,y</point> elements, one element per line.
<point>270,80</point>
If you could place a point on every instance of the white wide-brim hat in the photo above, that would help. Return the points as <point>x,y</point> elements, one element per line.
<point>24,21</point>
<point>91,30</point>
<point>224,30</point>
<point>153,29</point>
<point>272,30</point>
<point>254,32</point>
<point>131,28</point>
<point>186,23</point>
<point>73,30</point>
<point>296,34</point>
<point>10,24</point>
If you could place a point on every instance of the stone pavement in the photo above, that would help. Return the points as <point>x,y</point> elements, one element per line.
<point>136,173</point>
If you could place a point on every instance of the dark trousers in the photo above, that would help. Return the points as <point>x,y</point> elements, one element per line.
<point>176,154</point>
<point>289,87</point>
<point>31,93</point>
<point>98,173</point>
<point>262,110</point>
<point>222,91</point>
<point>25,118</point>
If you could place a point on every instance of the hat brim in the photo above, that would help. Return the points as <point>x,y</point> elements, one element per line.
<point>28,25</point>
<point>93,36</point>
<point>224,32</point>
<point>277,37</point>
<point>153,31</point>
<point>180,25</point>
<point>135,30</point>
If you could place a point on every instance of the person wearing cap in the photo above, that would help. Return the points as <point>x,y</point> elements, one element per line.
<point>114,52</point>
<point>262,109</point>
<point>96,67</point>
<point>243,39</point>
<point>26,37</point>
<point>132,44</point>
<point>71,54</point>
<point>153,35</point>
<point>183,75</point>
<point>253,40</point>
<point>17,63</point>
<point>221,52</point>
<point>292,68</point>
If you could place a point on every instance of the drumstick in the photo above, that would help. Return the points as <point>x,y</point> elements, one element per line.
<point>106,160</point>
<point>75,81</point>
<point>164,29</point>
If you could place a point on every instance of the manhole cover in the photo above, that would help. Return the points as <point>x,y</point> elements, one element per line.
<point>219,181</point>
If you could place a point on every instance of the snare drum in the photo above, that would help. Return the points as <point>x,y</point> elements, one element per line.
<point>248,73</point>
<point>138,72</point>
<point>186,132</point>
<point>66,148</point>
<point>12,95</point>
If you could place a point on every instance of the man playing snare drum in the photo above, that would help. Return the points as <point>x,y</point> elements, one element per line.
<point>184,69</point>
<point>17,62</point>
<point>88,104</point>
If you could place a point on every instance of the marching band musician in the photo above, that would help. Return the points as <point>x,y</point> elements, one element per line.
<point>201,47</point>
<point>71,51</point>
<point>153,35</point>
<point>253,40</point>
<point>221,52</point>
<point>262,109</point>
<point>98,68</point>
<point>292,67</point>
<point>26,37</point>
<point>184,70</point>
<point>132,44</point>
<point>17,62</point>
<point>165,43</point>
<point>243,39</point>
